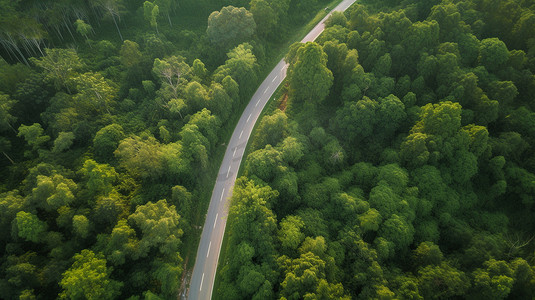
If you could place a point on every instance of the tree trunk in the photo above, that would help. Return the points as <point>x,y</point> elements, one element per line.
<point>12,128</point>
<point>38,45</point>
<point>59,32</point>
<point>18,50</point>
<point>9,158</point>
<point>69,30</point>
<point>9,51</point>
<point>116,26</point>
<point>29,50</point>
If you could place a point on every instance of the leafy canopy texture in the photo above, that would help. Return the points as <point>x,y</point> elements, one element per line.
<point>309,76</point>
<point>29,227</point>
<point>88,278</point>
<point>230,26</point>
<point>159,225</point>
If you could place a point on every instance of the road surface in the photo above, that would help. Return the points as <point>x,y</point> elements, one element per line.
<point>202,280</point>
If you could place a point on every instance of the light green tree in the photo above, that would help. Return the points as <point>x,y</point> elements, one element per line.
<point>113,9</point>
<point>264,16</point>
<point>271,130</point>
<point>159,226</point>
<point>94,93</point>
<point>151,12</point>
<point>292,150</point>
<point>495,280</point>
<point>195,145</point>
<point>6,118</point>
<point>63,142</point>
<point>60,65</point>
<point>290,233</point>
<point>83,28</point>
<point>427,253</point>
<point>264,163</point>
<point>100,177</point>
<point>250,217</point>
<point>29,227</point>
<point>141,156</point>
<point>80,225</point>
<point>370,220</point>
<point>34,135</point>
<point>171,71</point>
<point>240,66</point>
<point>52,192</point>
<point>398,230</point>
<point>309,77</point>
<point>89,278</point>
<point>121,244</point>
<point>168,276</point>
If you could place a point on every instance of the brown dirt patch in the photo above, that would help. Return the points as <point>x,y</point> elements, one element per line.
<point>284,102</point>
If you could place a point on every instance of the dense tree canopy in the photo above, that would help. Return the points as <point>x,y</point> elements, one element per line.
<point>396,162</point>
<point>113,115</point>
<point>414,172</point>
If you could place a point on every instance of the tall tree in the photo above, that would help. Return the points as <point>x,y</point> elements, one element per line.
<point>34,135</point>
<point>113,9</point>
<point>493,54</point>
<point>106,141</point>
<point>83,28</point>
<point>60,66</point>
<point>165,7</point>
<point>100,177</point>
<point>89,278</point>
<point>6,118</point>
<point>130,54</point>
<point>141,156</point>
<point>309,77</point>
<point>159,226</point>
<point>29,227</point>
<point>241,66</point>
<point>94,93</point>
<point>151,12</point>
<point>171,71</point>
<point>265,16</point>
<point>230,26</point>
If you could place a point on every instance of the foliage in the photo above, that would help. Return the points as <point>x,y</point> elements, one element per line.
<point>398,162</point>
<point>28,226</point>
<point>88,278</point>
<point>159,225</point>
<point>230,26</point>
<point>403,160</point>
<point>308,75</point>
<point>59,65</point>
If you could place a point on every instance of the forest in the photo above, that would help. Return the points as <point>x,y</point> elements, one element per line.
<point>397,163</point>
<point>113,118</point>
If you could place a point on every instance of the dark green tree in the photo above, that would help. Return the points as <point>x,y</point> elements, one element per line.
<point>230,26</point>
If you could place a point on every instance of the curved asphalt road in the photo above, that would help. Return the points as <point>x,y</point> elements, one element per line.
<point>203,277</point>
